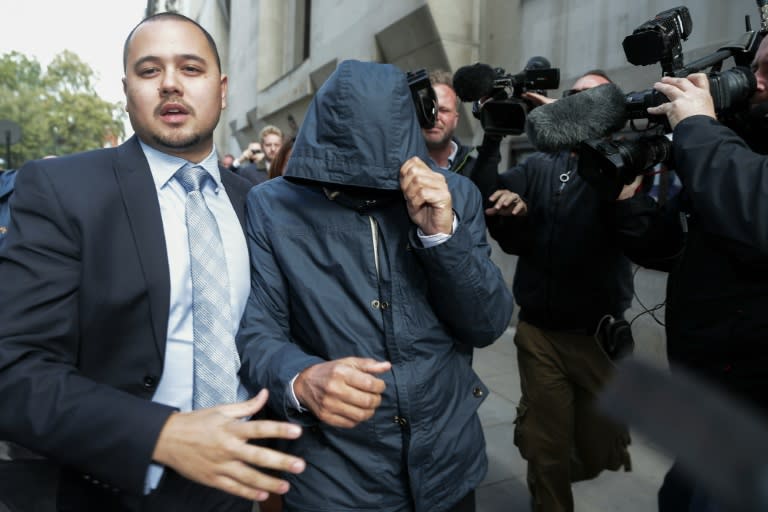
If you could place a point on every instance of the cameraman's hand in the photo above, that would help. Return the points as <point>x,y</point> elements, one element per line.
<point>538,99</point>
<point>427,197</point>
<point>630,190</point>
<point>687,97</point>
<point>506,203</point>
<point>244,157</point>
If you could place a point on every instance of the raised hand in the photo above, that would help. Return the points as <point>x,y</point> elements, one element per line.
<point>429,201</point>
<point>687,97</point>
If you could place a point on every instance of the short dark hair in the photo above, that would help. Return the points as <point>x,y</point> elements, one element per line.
<point>596,72</point>
<point>175,16</point>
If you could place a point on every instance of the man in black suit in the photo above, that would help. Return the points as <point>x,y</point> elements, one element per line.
<point>98,335</point>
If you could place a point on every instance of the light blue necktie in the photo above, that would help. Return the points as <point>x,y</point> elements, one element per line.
<point>215,356</point>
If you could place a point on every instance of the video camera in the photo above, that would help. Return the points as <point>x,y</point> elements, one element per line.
<point>660,40</point>
<point>609,165</point>
<point>497,96</point>
<point>424,98</point>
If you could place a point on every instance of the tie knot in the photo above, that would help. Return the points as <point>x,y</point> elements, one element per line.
<point>191,177</point>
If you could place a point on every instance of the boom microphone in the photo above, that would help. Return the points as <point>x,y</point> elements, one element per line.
<point>474,82</point>
<point>563,124</point>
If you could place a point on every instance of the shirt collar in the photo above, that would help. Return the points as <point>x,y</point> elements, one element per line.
<point>452,156</point>
<point>163,166</point>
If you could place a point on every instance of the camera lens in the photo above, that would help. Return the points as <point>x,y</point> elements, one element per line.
<point>609,165</point>
<point>731,88</point>
<point>637,103</point>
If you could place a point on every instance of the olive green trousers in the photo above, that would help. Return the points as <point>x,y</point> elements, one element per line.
<point>557,429</point>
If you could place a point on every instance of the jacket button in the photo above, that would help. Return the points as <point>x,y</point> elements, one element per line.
<point>385,305</point>
<point>401,421</point>
<point>478,392</point>
<point>375,304</point>
<point>150,381</point>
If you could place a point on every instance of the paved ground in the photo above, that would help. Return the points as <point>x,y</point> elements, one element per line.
<point>504,488</point>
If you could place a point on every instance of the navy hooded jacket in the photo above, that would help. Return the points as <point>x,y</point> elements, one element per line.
<point>331,281</point>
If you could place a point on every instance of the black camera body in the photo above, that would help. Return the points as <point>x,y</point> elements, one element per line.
<point>730,90</point>
<point>660,40</point>
<point>424,97</point>
<point>498,96</point>
<point>610,165</point>
<point>506,111</point>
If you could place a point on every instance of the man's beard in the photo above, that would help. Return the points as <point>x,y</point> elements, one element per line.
<point>441,143</point>
<point>178,143</point>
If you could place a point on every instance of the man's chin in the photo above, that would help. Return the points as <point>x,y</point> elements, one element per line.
<point>440,143</point>
<point>178,143</point>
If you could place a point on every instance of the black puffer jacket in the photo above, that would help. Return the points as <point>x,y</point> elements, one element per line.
<point>571,271</point>
<point>717,291</point>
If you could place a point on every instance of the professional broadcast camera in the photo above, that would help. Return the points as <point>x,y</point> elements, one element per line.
<point>609,165</point>
<point>497,96</point>
<point>659,40</point>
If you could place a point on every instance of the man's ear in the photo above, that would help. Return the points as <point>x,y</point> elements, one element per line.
<point>224,88</point>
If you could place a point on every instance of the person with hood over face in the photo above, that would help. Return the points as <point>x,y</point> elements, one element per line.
<point>369,273</point>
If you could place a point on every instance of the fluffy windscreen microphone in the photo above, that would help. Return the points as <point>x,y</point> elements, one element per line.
<point>474,82</point>
<point>590,114</point>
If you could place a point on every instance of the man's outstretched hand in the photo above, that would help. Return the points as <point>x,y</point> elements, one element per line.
<point>210,446</point>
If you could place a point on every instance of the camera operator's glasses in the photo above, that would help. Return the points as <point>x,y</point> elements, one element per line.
<point>571,92</point>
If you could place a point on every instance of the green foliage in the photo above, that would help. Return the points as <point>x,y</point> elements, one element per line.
<point>58,109</point>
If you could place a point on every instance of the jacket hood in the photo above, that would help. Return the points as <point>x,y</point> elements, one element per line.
<point>359,129</point>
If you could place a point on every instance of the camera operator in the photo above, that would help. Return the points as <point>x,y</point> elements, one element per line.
<point>248,165</point>
<point>446,150</point>
<point>714,243</point>
<point>571,280</point>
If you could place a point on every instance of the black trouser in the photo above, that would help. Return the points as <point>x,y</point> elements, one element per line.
<point>28,486</point>
<point>173,493</point>
<point>466,504</point>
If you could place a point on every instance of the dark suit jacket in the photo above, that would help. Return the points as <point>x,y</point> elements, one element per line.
<point>255,173</point>
<point>84,312</point>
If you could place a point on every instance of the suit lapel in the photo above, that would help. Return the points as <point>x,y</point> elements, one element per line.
<point>237,190</point>
<point>143,209</point>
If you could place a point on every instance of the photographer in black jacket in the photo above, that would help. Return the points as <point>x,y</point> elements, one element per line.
<point>571,279</point>
<point>714,243</point>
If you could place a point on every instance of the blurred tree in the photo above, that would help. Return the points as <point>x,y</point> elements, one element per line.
<point>58,109</point>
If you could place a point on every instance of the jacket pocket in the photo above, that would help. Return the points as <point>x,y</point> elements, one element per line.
<point>522,409</point>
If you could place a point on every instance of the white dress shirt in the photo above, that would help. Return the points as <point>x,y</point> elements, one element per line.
<point>175,386</point>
